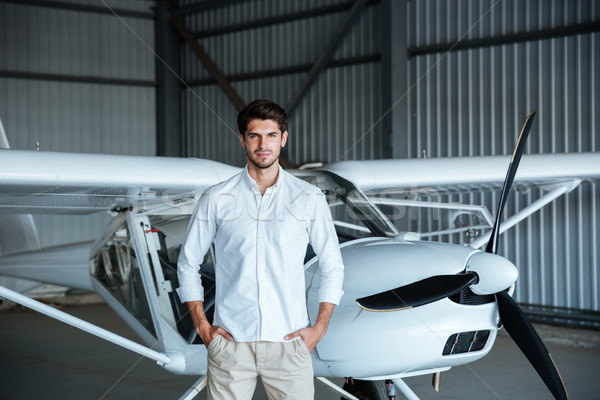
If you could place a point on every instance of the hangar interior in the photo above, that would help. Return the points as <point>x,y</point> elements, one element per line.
<point>364,79</point>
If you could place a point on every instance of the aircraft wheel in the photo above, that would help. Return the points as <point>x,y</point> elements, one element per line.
<point>366,390</point>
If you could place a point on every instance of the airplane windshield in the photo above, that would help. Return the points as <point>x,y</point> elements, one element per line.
<point>354,215</point>
<point>432,216</point>
<point>386,213</point>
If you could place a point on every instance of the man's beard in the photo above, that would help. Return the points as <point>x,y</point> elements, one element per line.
<point>265,164</point>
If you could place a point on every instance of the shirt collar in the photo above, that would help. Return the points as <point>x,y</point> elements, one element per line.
<point>252,185</point>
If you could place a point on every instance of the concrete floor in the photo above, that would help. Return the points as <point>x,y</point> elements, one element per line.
<point>44,359</point>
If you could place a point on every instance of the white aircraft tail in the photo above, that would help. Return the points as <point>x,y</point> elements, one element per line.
<point>17,232</point>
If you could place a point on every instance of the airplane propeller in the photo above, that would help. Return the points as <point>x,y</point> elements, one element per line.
<point>438,287</point>
<point>418,293</point>
<point>492,246</point>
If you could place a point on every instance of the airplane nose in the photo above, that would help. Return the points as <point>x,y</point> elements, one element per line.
<point>495,273</point>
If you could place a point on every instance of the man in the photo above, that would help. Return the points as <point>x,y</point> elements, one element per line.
<point>261,221</point>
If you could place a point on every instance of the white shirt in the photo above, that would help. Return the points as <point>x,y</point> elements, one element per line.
<point>260,244</point>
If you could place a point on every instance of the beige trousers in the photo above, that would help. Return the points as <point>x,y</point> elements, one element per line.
<point>284,367</point>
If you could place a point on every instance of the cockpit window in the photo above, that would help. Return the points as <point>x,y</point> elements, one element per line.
<point>388,212</point>
<point>354,215</point>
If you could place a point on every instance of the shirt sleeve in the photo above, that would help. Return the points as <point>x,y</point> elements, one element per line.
<point>324,242</point>
<point>200,234</point>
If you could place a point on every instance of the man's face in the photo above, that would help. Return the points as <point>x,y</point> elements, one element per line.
<point>263,142</point>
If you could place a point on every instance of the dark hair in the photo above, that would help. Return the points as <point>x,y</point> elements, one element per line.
<point>262,109</point>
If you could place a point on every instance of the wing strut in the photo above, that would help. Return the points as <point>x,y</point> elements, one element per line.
<point>335,388</point>
<point>405,389</point>
<point>195,389</point>
<point>556,192</point>
<point>160,358</point>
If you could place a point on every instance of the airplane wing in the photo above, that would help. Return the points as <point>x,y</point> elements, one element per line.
<point>462,174</point>
<point>52,182</point>
<point>71,183</point>
<point>422,183</point>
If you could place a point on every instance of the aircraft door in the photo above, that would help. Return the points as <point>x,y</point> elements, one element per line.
<point>164,235</point>
<point>162,288</point>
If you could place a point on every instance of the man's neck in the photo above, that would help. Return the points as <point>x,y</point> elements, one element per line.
<point>264,177</point>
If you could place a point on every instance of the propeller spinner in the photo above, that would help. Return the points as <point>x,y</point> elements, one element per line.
<point>438,287</point>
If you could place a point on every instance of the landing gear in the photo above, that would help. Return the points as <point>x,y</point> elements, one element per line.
<point>366,390</point>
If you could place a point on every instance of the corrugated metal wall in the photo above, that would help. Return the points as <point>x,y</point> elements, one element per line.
<point>342,105</point>
<point>76,116</point>
<point>473,102</point>
<point>460,103</point>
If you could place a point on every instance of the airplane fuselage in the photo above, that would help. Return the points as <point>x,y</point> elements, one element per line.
<point>133,269</point>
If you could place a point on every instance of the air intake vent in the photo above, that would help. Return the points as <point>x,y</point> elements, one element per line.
<point>465,342</point>
<point>466,296</point>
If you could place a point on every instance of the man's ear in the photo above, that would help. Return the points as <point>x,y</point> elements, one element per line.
<point>242,140</point>
<point>284,138</point>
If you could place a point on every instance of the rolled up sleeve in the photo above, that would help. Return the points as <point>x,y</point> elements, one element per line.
<point>198,239</point>
<point>324,242</point>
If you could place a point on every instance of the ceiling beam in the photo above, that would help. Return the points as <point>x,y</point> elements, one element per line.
<point>61,5</point>
<point>294,69</point>
<point>100,80</point>
<point>209,64</point>
<point>328,51</point>
<point>520,37</point>
<point>279,19</point>
<point>203,6</point>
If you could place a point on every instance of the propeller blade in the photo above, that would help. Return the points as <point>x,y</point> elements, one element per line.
<point>520,329</point>
<point>492,246</point>
<point>516,323</point>
<point>418,293</point>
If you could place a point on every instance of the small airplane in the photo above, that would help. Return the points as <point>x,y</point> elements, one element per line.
<point>436,305</point>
